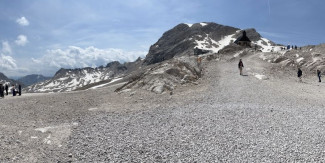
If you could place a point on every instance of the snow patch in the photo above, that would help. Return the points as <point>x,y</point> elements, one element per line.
<point>214,46</point>
<point>92,109</point>
<point>43,130</point>
<point>203,24</point>
<point>261,77</point>
<point>189,25</point>
<point>268,47</point>
<point>102,85</point>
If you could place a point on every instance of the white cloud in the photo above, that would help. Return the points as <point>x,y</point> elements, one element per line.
<point>6,48</point>
<point>7,62</point>
<point>22,21</point>
<point>21,40</point>
<point>76,57</point>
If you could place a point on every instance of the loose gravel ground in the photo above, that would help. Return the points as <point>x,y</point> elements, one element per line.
<point>225,118</point>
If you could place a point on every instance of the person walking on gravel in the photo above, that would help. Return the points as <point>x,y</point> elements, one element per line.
<point>13,90</point>
<point>19,90</point>
<point>319,75</point>
<point>240,66</point>
<point>6,88</point>
<point>299,74</point>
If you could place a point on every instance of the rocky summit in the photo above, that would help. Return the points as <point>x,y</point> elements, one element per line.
<point>209,37</point>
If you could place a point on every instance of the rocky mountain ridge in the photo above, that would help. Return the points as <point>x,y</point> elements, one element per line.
<point>180,41</point>
<point>211,37</point>
<point>71,79</point>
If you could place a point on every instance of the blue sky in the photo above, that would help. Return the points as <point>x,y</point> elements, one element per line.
<point>38,36</point>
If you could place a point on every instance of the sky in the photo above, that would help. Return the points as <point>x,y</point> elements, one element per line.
<point>40,37</point>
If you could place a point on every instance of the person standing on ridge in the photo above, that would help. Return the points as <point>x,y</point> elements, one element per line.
<point>240,66</point>
<point>6,88</point>
<point>299,74</point>
<point>19,89</point>
<point>319,75</point>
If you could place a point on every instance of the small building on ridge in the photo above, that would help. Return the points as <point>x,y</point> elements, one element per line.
<point>243,40</point>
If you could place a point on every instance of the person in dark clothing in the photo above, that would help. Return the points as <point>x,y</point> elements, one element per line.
<point>1,91</point>
<point>299,74</point>
<point>13,90</point>
<point>319,75</point>
<point>240,66</point>
<point>296,47</point>
<point>19,89</point>
<point>6,88</point>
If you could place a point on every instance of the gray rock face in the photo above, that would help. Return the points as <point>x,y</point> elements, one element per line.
<point>32,79</point>
<point>166,76</point>
<point>309,58</point>
<point>181,40</point>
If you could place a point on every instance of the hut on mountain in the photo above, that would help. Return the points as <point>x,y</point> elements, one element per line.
<point>243,40</point>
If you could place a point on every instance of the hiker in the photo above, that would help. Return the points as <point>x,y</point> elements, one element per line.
<point>199,60</point>
<point>240,66</point>
<point>1,91</point>
<point>299,74</point>
<point>19,89</point>
<point>6,88</point>
<point>13,90</point>
<point>319,75</point>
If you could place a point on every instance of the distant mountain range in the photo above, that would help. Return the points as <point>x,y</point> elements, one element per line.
<point>32,79</point>
<point>71,79</point>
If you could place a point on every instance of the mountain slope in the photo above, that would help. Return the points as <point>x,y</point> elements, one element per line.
<point>71,79</point>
